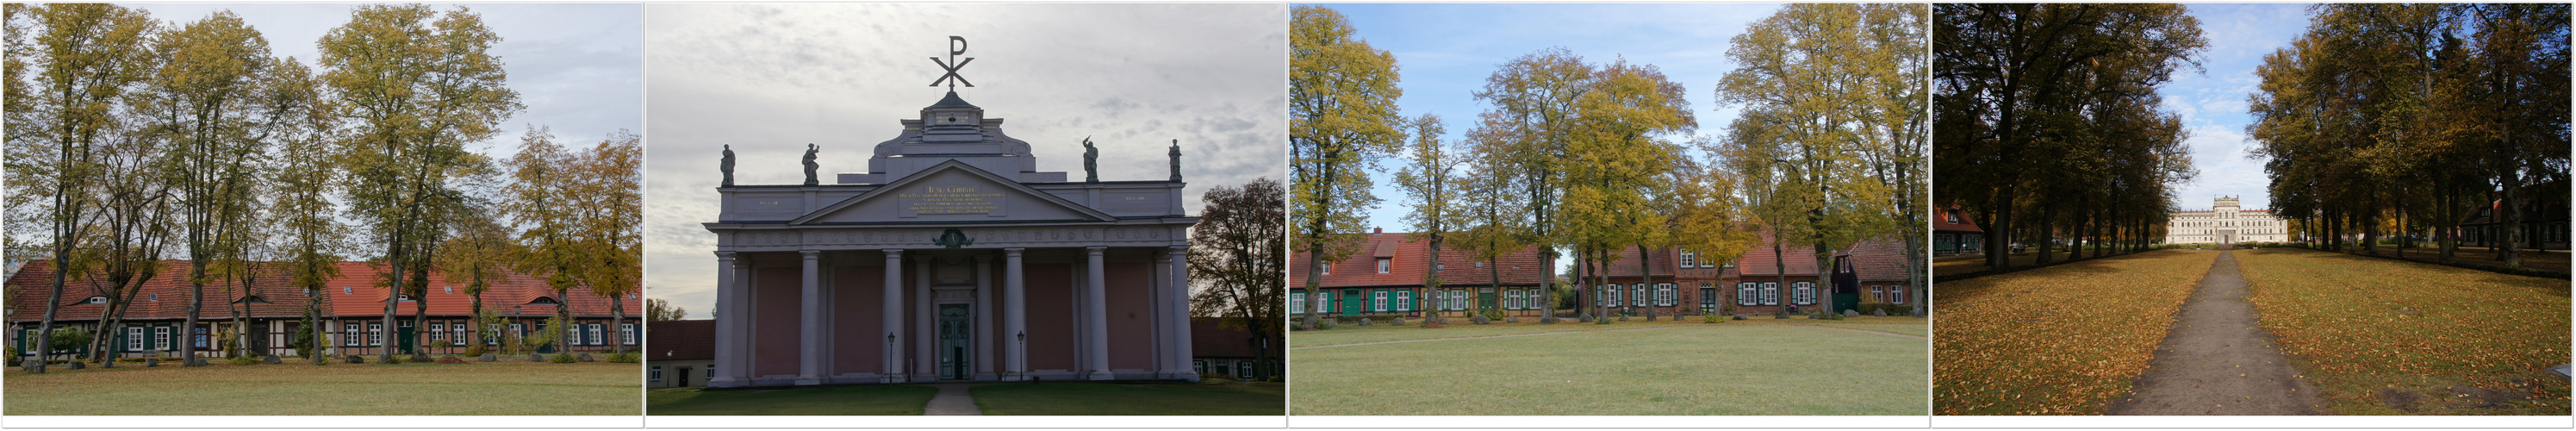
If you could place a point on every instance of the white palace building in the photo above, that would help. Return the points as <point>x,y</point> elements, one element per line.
<point>2225,223</point>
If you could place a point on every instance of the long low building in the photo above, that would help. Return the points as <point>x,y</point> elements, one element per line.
<point>2225,223</point>
<point>352,309</point>
<point>1388,278</point>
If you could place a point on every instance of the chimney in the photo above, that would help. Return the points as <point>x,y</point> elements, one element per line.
<point>1378,231</point>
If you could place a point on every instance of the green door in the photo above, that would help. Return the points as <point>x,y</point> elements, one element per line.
<point>1485,298</point>
<point>1353,302</point>
<point>953,342</point>
<point>406,336</point>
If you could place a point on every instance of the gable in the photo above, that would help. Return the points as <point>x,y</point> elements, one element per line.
<point>951,193</point>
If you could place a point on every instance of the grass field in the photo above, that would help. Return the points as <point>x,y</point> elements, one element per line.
<point>2064,339</point>
<point>2379,336</point>
<point>1262,399</point>
<point>1761,366</point>
<point>835,400</point>
<point>296,388</point>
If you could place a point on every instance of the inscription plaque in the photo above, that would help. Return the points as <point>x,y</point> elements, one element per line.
<point>940,199</point>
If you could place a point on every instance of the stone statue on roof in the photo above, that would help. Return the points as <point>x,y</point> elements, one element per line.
<point>810,149</point>
<point>1176,160</point>
<point>727,165</point>
<point>1090,161</point>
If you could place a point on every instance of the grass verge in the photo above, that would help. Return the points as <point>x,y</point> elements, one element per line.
<point>1140,399</point>
<point>2379,336</point>
<point>895,400</point>
<point>2064,339</point>
<point>1711,369</point>
<point>297,388</point>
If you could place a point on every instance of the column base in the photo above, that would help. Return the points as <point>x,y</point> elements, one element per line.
<point>986,377</point>
<point>808,381</point>
<point>724,382</point>
<point>1100,375</point>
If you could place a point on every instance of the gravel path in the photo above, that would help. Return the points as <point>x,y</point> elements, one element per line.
<point>2217,360</point>
<point>953,400</point>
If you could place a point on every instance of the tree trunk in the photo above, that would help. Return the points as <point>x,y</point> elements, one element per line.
<point>2509,230</point>
<point>1314,288</point>
<point>1646,272</point>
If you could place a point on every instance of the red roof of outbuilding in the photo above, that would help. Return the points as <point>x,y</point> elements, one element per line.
<point>353,293</point>
<point>1407,265</point>
<point>680,340</point>
<point>1966,224</point>
<point>1209,339</point>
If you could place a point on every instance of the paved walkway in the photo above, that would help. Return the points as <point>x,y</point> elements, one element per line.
<point>2218,360</point>
<point>953,400</point>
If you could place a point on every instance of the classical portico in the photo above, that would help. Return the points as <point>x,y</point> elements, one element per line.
<point>951,258</point>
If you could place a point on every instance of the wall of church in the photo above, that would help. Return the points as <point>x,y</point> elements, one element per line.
<point>858,310</point>
<point>1051,326</point>
<point>1131,314</point>
<point>775,332</point>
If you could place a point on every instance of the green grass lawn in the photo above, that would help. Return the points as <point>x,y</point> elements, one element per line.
<point>297,388</point>
<point>1734,368</point>
<point>1256,399</point>
<point>834,400</point>
<point>1459,328</point>
<point>2379,336</point>
<point>2059,340</point>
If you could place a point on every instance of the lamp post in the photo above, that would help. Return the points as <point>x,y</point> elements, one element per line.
<point>1020,361</point>
<point>889,357</point>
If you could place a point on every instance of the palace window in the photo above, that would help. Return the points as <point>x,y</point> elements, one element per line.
<point>1384,264</point>
<point>1403,300</point>
<point>1770,293</point>
<point>161,337</point>
<point>1747,293</point>
<point>1297,303</point>
<point>133,338</point>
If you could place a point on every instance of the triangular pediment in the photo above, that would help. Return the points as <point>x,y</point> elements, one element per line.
<point>952,192</point>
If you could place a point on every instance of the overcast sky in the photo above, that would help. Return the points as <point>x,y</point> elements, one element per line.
<point>1447,50</point>
<point>578,67</point>
<point>769,79</point>
<point>2213,104</point>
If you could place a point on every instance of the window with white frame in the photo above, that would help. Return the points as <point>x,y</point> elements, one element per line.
<point>1747,293</point>
<point>345,290</point>
<point>94,300</point>
<point>134,338</point>
<point>1804,291</point>
<point>626,334</point>
<point>657,374</point>
<point>595,335</point>
<point>451,289</point>
<point>1383,265</point>
<point>1200,365</point>
<point>1875,295</point>
<point>28,344</point>
<point>375,334</point>
<point>1637,295</point>
<point>1512,299</point>
<point>161,337</point>
<point>1610,293</point>
<point>1377,301</point>
<point>1689,259</point>
<point>516,331</point>
<point>1404,300</point>
<point>1896,294</point>
<point>349,335</point>
<point>1770,293</point>
<point>1328,268</point>
<point>1663,294</point>
<point>1297,303</point>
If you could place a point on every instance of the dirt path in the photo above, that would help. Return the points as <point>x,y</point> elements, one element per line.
<point>953,400</point>
<point>2217,360</point>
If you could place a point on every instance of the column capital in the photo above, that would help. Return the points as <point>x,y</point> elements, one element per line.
<point>1014,251</point>
<point>724,255</point>
<point>1179,248</point>
<point>810,254</point>
<point>892,252</point>
<point>1095,250</point>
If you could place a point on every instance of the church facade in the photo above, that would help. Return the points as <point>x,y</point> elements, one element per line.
<point>2225,223</point>
<point>951,258</point>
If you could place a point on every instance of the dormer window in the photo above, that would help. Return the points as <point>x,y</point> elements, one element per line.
<point>1480,265</point>
<point>94,300</point>
<point>451,289</point>
<point>156,297</point>
<point>1328,268</point>
<point>344,290</point>
<point>402,298</point>
<point>1383,265</point>
<point>542,301</point>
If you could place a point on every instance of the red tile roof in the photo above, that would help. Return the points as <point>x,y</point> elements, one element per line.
<point>1407,265</point>
<point>670,340</point>
<point>1208,339</point>
<point>1942,222</point>
<point>166,296</point>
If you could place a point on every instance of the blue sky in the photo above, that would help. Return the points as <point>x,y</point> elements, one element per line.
<point>1445,52</point>
<point>2213,104</point>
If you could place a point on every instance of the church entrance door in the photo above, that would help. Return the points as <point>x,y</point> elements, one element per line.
<point>953,342</point>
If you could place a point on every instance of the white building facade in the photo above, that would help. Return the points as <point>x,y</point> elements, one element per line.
<point>2226,223</point>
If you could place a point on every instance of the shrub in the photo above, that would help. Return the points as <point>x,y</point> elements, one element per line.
<point>1712,318</point>
<point>563,359</point>
<point>391,359</point>
<point>243,360</point>
<point>626,358</point>
<point>474,351</point>
<point>1327,324</point>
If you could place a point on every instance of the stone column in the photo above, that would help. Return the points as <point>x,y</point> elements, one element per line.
<point>893,319</point>
<point>1180,274</point>
<point>1095,298</point>
<point>1162,291</point>
<point>1014,316</point>
<point>983,317</point>
<point>729,357</point>
<point>925,351</point>
<point>809,352</point>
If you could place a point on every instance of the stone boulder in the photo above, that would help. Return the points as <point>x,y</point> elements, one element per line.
<point>1623,317</point>
<point>1399,321</point>
<point>354,359</point>
<point>1739,317</point>
<point>196,362</point>
<point>151,362</point>
<point>1364,321</point>
<point>1512,319</point>
<point>585,357</point>
<point>1481,320</point>
<point>271,359</point>
<point>74,365</point>
<point>532,357</point>
<point>1851,313</point>
<point>1879,312</point>
<point>1584,317</point>
<point>487,357</point>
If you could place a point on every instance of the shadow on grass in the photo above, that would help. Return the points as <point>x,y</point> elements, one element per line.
<point>888,400</point>
<point>1196,399</point>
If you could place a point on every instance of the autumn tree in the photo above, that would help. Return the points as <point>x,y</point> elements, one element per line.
<point>1530,115</point>
<point>1430,182</point>
<point>209,101</point>
<point>65,89</point>
<point>1620,152</point>
<point>416,86</point>
<point>479,253</point>
<point>1238,260</point>
<point>1342,121</point>
<point>656,310</point>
